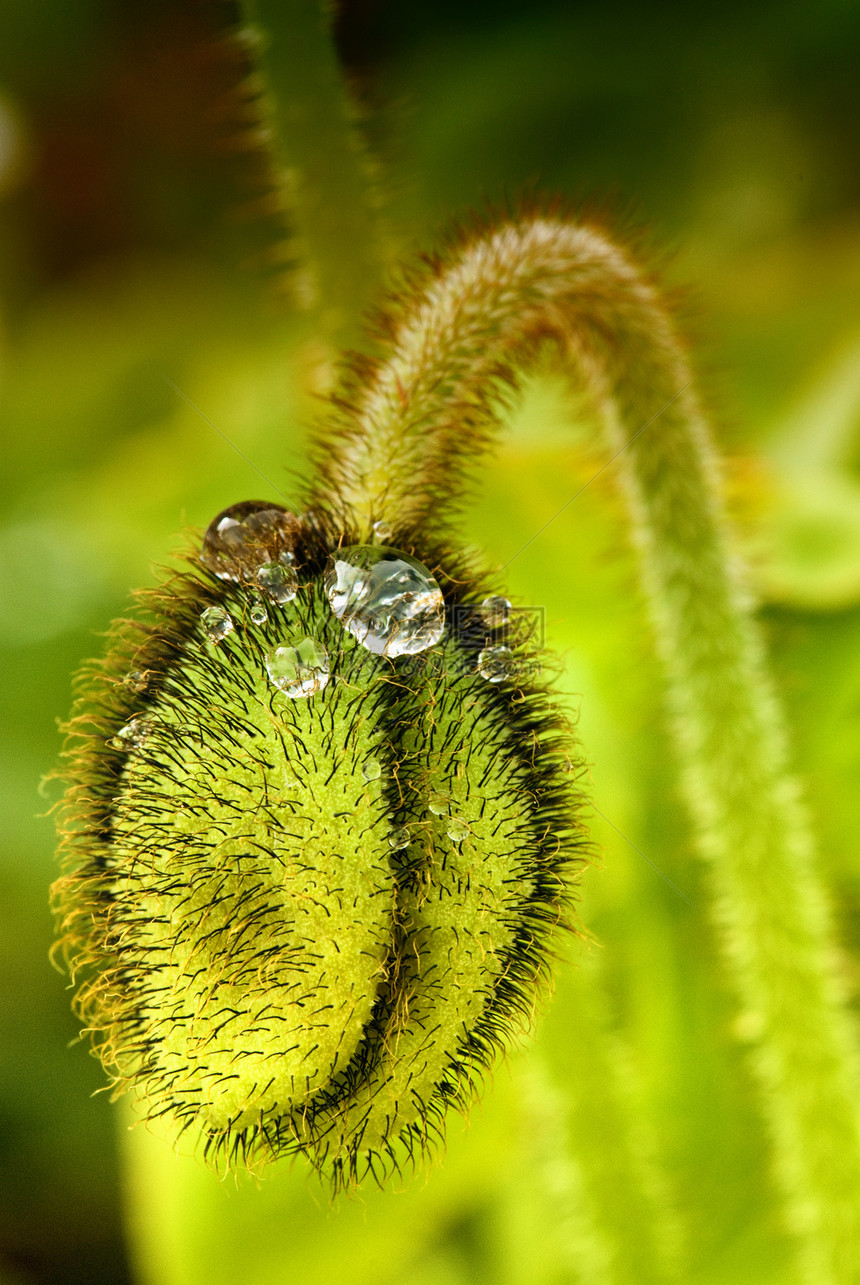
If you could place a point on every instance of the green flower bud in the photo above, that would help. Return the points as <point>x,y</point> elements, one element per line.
<point>317,844</point>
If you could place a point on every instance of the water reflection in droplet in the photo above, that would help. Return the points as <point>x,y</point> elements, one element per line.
<point>217,624</point>
<point>457,829</point>
<point>278,580</point>
<point>496,664</point>
<point>299,669</point>
<point>133,734</point>
<point>243,537</point>
<point>495,611</point>
<point>257,610</point>
<point>387,600</point>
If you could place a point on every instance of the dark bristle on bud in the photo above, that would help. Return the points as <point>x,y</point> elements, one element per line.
<point>312,876</point>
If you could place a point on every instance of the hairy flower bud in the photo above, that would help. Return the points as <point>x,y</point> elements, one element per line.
<point>316,841</point>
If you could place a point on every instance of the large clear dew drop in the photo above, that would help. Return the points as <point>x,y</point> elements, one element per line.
<point>241,538</point>
<point>387,600</point>
<point>299,669</point>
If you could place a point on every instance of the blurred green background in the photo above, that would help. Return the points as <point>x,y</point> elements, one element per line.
<point>130,255</point>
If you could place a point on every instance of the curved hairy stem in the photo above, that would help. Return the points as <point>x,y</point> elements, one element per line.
<point>396,450</point>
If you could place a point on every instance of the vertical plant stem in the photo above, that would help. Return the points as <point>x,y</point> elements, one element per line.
<point>581,1244</point>
<point>318,160</point>
<point>611,1218</point>
<point>457,338</point>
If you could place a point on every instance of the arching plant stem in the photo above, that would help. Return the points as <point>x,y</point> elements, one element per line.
<point>397,450</point>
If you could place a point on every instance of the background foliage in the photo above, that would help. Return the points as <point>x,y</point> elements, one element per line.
<point>129,255</point>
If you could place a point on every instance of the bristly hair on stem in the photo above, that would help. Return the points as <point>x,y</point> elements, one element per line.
<point>406,427</point>
<point>320,173</point>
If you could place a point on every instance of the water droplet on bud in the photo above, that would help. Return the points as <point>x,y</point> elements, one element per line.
<point>457,830</point>
<point>387,600</point>
<point>495,611</point>
<point>278,580</point>
<point>217,624</point>
<point>133,735</point>
<point>257,610</point>
<point>137,680</point>
<point>370,770</point>
<point>399,838</point>
<point>437,805</point>
<point>298,670</point>
<point>382,531</point>
<point>496,664</point>
<point>244,537</point>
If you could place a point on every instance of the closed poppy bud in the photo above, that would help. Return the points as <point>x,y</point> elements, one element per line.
<point>321,824</point>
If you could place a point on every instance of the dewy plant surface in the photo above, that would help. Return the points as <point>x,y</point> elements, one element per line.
<point>318,837</point>
<point>313,905</point>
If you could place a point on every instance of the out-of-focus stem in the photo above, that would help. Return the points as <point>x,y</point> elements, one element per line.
<point>612,1222</point>
<point>318,161</point>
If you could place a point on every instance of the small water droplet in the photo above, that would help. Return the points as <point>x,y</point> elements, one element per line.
<point>382,531</point>
<point>457,830</point>
<point>299,669</point>
<point>399,838</point>
<point>438,805</point>
<point>133,735</point>
<point>257,610</point>
<point>280,582</point>
<point>287,557</point>
<point>217,624</point>
<point>243,537</point>
<point>137,680</point>
<point>496,664</point>
<point>495,611</point>
<point>189,731</point>
<point>387,600</point>
<point>371,770</point>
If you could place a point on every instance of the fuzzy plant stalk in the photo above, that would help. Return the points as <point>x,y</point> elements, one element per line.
<point>319,169</point>
<point>593,1162</point>
<point>456,339</point>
